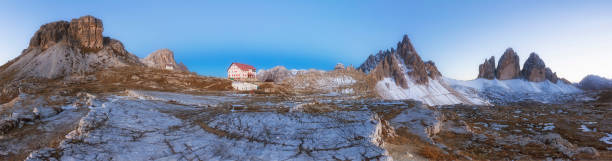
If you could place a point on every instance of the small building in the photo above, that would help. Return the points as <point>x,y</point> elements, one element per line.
<point>241,72</point>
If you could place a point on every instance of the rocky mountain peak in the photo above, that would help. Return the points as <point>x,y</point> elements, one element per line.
<point>487,69</point>
<point>508,65</point>
<point>64,49</point>
<point>534,69</point>
<point>164,59</point>
<point>399,64</point>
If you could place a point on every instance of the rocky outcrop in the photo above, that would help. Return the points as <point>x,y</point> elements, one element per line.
<point>163,59</point>
<point>487,69</point>
<point>552,76</point>
<point>397,64</point>
<point>61,50</point>
<point>534,69</point>
<point>372,61</point>
<point>508,66</point>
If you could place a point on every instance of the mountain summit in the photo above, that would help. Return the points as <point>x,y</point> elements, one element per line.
<point>402,74</point>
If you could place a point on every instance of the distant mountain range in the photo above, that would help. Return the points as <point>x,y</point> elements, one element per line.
<point>401,74</point>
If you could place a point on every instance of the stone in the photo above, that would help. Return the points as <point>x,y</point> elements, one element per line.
<point>508,65</point>
<point>534,69</point>
<point>87,31</point>
<point>487,69</point>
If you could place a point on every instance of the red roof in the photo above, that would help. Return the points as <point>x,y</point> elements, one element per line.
<point>243,66</point>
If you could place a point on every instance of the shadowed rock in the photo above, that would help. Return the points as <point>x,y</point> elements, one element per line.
<point>534,69</point>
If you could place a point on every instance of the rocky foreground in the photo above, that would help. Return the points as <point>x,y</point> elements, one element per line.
<point>148,125</point>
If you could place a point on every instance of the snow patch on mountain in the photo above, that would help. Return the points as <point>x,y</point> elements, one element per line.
<point>434,92</point>
<point>516,90</point>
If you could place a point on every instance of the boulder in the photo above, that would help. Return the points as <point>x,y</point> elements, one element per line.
<point>508,65</point>
<point>487,69</point>
<point>534,69</point>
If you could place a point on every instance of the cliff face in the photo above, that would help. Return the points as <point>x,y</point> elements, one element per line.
<point>534,69</point>
<point>487,69</point>
<point>84,33</point>
<point>162,59</point>
<point>508,66</point>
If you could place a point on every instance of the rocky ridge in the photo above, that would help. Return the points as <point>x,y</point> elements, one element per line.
<point>534,69</point>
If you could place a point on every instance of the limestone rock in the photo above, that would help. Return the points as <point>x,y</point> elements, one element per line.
<point>62,49</point>
<point>508,65</point>
<point>534,69</point>
<point>487,69</point>
<point>87,31</point>
<point>163,59</point>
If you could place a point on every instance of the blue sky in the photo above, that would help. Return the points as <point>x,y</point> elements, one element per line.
<point>573,37</point>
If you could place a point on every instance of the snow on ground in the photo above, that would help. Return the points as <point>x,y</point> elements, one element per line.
<point>434,93</point>
<point>516,90</point>
<point>607,139</point>
<point>195,100</point>
<point>123,128</point>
